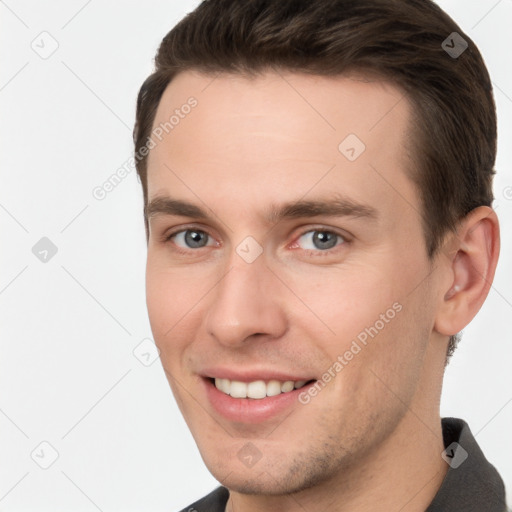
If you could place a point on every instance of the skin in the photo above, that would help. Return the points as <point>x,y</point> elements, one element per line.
<point>371,439</point>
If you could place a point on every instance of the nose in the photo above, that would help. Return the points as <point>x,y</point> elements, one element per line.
<point>246,303</point>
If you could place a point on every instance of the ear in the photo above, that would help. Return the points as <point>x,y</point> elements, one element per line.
<point>469,269</point>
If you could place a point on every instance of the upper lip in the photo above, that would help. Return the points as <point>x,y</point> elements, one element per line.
<point>250,375</point>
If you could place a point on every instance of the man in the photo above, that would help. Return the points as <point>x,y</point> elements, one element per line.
<point>317,180</point>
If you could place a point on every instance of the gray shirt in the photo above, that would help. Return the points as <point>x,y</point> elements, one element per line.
<point>471,484</point>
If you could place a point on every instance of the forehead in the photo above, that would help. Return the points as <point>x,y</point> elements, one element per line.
<point>280,135</point>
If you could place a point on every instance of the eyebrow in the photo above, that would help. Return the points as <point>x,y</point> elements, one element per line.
<point>338,206</point>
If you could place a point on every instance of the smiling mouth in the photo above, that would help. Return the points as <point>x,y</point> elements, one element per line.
<point>257,389</point>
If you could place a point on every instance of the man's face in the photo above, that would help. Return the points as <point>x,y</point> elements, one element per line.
<point>342,297</point>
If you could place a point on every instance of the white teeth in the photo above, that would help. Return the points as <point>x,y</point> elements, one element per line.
<point>287,386</point>
<point>223,385</point>
<point>273,388</point>
<point>238,389</point>
<point>256,389</point>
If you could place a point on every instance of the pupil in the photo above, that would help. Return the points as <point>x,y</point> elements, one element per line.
<point>324,239</point>
<point>195,238</point>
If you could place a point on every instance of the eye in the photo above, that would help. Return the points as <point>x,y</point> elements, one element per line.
<point>320,240</point>
<point>191,239</point>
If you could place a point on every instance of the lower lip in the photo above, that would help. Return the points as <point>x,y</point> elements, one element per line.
<point>250,410</point>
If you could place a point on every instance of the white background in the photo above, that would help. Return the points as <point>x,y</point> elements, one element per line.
<point>68,375</point>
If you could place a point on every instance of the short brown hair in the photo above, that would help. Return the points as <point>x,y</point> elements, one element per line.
<point>454,135</point>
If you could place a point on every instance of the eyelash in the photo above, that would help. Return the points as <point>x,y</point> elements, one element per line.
<point>179,250</point>
<point>310,252</point>
<point>327,252</point>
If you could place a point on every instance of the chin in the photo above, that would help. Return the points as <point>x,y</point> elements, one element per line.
<point>270,477</point>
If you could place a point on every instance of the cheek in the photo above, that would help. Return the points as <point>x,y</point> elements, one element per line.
<point>339,305</point>
<point>161,310</point>
<point>173,303</point>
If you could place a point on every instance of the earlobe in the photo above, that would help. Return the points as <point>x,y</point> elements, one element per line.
<point>470,271</point>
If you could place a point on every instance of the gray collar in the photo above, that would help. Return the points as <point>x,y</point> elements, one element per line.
<point>471,483</point>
